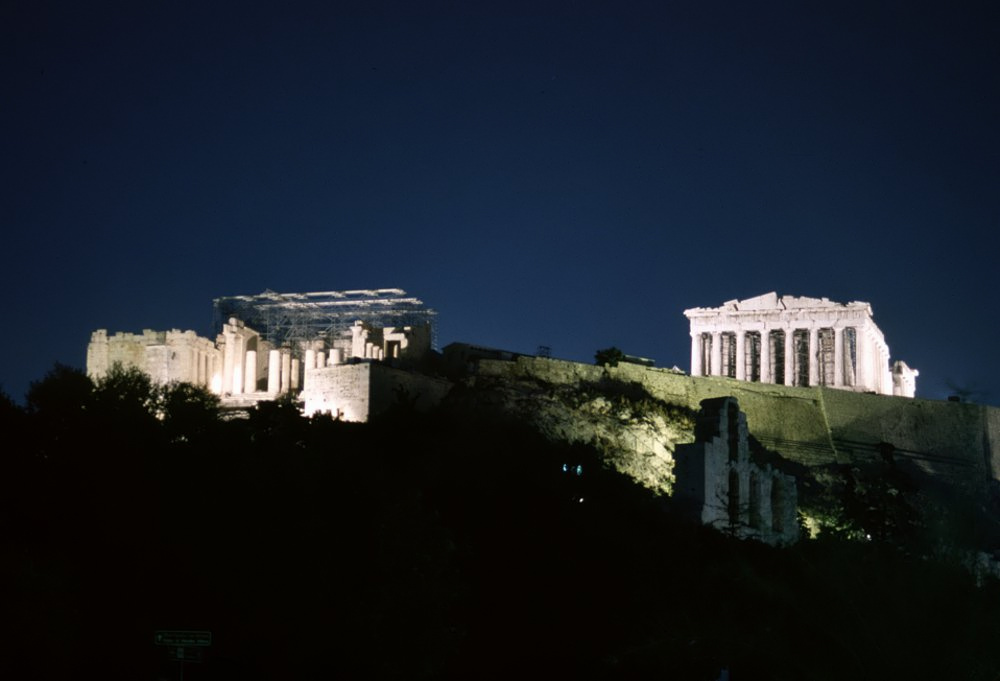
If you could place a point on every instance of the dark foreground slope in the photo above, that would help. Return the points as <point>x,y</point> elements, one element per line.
<point>419,547</point>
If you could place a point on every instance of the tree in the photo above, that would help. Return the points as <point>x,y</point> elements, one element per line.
<point>188,411</point>
<point>63,393</point>
<point>609,357</point>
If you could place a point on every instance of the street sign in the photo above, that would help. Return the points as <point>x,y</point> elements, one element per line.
<point>186,654</point>
<point>183,638</point>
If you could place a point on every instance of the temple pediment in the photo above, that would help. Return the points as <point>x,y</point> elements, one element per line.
<point>767,301</point>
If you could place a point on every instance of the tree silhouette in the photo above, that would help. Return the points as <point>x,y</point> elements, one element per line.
<point>609,357</point>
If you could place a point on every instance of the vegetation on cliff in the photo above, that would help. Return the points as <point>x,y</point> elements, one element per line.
<point>634,432</point>
<point>452,545</point>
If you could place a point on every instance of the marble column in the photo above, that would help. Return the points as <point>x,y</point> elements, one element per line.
<point>814,356</point>
<point>716,353</point>
<point>286,371</point>
<point>765,356</point>
<point>250,373</point>
<point>861,359</point>
<point>228,359</point>
<point>696,368</point>
<point>741,346</point>
<point>838,357</point>
<point>274,372</point>
<point>789,356</point>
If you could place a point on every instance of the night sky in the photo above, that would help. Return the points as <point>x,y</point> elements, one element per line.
<point>567,174</point>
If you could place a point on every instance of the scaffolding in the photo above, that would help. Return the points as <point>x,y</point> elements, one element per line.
<point>291,319</point>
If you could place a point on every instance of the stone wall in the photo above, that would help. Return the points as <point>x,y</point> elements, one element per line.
<point>357,391</point>
<point>720,485</point>
<point>164,355</point>
<point>812,426</point>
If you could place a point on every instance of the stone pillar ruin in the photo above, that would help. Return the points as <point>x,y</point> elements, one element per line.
<point>237,386</point>
<point>716,353</point>
<point>741,365</point>
<point>274,372</point>
<point>814,356</point>
<point>696,368</point>
<point>789,356</point>
<point>838,357</point>
<point>765,356</point>
<point>250,372</point>
<point>228,358</point>
<point>286,371</point>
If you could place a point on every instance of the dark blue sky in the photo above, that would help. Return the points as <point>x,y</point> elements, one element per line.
<point>564,174</point>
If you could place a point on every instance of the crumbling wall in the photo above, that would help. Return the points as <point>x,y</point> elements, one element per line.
<point>164,355</point>
<point>720,485</point>
<point>342,391</point>
<point>357,391</point>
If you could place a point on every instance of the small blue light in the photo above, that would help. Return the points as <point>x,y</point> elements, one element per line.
<point>565,467</point>
<point>579,469</point>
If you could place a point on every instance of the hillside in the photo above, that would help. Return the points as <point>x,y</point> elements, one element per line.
<point>447,545</point>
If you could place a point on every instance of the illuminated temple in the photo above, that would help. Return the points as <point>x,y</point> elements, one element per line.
<point>796,341</point>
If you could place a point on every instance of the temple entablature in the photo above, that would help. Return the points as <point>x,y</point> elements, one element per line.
<point>796,341</point>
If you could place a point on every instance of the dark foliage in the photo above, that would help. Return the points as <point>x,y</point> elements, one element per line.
<point>422,547</point>
<point>608,357</point>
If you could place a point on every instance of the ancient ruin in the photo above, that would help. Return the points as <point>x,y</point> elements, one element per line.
<point>796,341</point>
<point>721,485</point>
<point>303,343</point>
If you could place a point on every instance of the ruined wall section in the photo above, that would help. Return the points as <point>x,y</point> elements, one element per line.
<point>357,391</point>
<point>164,355</point>
<point>342,391</point>
<point>720,485</point>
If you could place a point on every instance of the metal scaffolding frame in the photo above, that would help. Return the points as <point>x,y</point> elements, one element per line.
<point>285,319</point>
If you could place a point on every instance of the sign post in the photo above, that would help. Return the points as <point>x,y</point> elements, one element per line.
<point>184,645</point>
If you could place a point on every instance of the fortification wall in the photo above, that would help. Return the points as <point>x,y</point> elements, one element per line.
<point>813,425</point>
<point>164,355</point>
<point>355,392</point>
<point>342,390</point>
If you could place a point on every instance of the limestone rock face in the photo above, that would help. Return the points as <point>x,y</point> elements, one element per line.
<point>634,432</point>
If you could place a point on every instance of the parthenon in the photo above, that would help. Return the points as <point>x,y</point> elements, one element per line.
<point>796,341</point>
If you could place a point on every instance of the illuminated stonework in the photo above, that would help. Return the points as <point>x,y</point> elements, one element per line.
<point>719,483</point>
<point>796,341</point>
<point>164,355</point>
<point>357,380</point>
<point>332,372</point>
